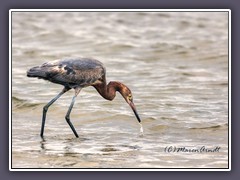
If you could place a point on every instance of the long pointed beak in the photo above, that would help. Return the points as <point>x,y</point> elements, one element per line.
<point>135,111</point>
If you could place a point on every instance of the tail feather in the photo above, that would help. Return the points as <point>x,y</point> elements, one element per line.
<point>36,72</point>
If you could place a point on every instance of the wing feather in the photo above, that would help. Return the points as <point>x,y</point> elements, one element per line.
<point>74,72</point>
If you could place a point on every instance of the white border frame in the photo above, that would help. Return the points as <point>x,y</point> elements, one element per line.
<point>119,10</point>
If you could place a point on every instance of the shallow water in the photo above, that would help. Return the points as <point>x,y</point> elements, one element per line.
<point>175,63</point>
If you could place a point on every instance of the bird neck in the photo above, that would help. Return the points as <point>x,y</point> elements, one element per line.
<point>109,91</point>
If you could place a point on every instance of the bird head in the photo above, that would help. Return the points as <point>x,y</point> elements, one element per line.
<point>127,95</point>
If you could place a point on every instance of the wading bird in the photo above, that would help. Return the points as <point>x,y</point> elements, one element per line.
<point>77,73</point>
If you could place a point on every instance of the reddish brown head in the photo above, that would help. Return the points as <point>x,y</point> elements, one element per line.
<point>109,93</point>
<point>127,95</point>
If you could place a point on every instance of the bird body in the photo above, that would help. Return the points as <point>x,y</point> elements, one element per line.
<point>70,72</point>
<point>78,73</point>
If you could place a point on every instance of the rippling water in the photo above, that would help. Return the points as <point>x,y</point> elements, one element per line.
<point>175,63</point>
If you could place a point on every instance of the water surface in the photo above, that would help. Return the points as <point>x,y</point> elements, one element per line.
<point>175,63</point>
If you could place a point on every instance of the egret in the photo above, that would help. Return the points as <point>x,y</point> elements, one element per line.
<point>78,73</point>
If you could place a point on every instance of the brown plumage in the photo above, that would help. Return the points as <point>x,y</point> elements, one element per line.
<point>77,73</point>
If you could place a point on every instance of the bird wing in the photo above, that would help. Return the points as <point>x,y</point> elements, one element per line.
<point>74,72</point>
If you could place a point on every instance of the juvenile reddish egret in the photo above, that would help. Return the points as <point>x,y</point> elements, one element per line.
<point>77,73</point>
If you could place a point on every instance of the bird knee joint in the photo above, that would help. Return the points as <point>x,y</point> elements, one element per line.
<point>45,108</point>
<point>67,118</point>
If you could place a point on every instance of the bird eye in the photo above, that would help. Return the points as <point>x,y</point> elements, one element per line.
<point>130,97</point>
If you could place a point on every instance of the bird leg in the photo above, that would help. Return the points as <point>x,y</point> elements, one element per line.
<point>67,117</point>
<point>45,108</point>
